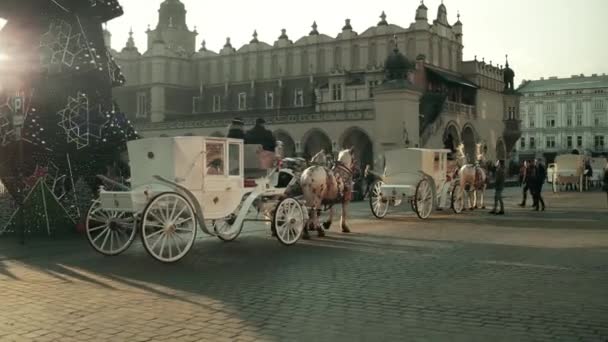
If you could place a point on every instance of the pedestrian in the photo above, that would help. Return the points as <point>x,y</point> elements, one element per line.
<point>537,185</point>
<point>588,174</point>
<point>236,130</point>
<point>499,185</point>
<point>605,186</point>
<point>260,135</point>
<point>524,181</point>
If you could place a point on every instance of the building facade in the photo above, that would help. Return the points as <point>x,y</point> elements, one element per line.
<point>560,115</point>
<point>319,91</point>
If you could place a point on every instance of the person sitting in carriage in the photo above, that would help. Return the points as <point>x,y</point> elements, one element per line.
<point>260,135</point>
<point>236,130</point>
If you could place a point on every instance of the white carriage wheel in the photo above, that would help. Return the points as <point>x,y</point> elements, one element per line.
<point>457,198</point>
<point>377,204</point>
<point>110,232</point>
<point>424,199</point>
<point>225,229</point>
<point>288,221</point>
<point>168,227</point>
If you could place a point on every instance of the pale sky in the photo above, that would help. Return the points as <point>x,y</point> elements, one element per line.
<point>542,37</point>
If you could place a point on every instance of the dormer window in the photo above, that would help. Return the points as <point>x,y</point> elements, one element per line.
<point>217,103</point>
<point>298,99</point>
<point>336,92</point>
<point>269,100</point>
<point>242,101</point>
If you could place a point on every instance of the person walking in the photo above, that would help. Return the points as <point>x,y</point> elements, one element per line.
<point>524,175</point>
<point>605,186</point>
<point>539,181</point>
<point>499,185</point>
<point>236,130</point>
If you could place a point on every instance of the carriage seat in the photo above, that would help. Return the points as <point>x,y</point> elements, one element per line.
<point>257,161</point>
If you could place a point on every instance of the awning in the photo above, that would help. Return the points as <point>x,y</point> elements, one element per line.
<point>451,78</point>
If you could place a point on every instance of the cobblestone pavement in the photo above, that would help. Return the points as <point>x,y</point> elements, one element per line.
<point>469,277</point>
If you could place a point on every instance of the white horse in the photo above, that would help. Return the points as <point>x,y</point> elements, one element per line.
<point>322,186</point>
<point>473,178</point>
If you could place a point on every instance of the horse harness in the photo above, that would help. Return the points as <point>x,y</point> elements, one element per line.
<point>344,182</point>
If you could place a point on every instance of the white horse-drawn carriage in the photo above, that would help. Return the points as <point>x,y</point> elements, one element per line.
<point>419,176</point>
<point>568,169</point>
<point>182,183</point>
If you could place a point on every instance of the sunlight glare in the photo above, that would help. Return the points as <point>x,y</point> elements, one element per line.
<point>2,23</point>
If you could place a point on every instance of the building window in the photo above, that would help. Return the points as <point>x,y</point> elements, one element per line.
<point>511,113</point>
<point>242,101</point>
<point>531,125</point>
<point>578,92</point>
<point>142,105</point>
<point>217,103</point>
<point>569,121</point>
<point>598,121</point>
<point>370,86</point>
<point>550,122</point>
<point>550,107</point>
<point>569,141</point>
<point>269,100</point>
<point>598,105</point>
<point>550,141</point>
<point>598,142</point>
<point>569,107</point>
<point>522,143</point>
<point>196,104</point>
<point>579,120</point>
<point>599,91</point>
<point>531,110</point>
<point>298,98</point>
<point>579,106</point>
<point>532,143</point>
<point>336,92</point>
<point>579,141</point>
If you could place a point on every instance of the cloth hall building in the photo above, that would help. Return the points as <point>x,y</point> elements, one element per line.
<point>321,91</point>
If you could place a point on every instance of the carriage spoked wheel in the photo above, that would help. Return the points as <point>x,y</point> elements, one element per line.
<point>457,198</point>
<point>377,203</point>
<point>423,199</point>
<point>110,232</point>
<point>225,228</point>
<point>289,221</point>
<point>168,227</point>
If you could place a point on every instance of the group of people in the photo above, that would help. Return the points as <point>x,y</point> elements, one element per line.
<point>258,135</point>
<point>532,177</point>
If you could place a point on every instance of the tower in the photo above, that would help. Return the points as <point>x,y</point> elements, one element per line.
<point>173,29</point>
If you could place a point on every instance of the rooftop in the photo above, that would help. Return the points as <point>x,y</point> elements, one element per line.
<point>572,83</point>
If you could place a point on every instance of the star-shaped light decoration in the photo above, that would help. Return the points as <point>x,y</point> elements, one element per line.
<point>63,46</point>
<point>75,121</point>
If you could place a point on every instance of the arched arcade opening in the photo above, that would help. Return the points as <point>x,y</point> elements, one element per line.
<point>364,148</point>
<point>289,146</point>
<point>469,140</point>
<point>314,141</point>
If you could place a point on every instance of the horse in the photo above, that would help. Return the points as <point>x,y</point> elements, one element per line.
<point>473,178</point>
<point>324,186</point>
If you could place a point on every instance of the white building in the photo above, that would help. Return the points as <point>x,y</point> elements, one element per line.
<point>560,115</point>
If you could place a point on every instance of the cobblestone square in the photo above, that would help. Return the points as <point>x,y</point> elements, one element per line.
<point>527,276</point>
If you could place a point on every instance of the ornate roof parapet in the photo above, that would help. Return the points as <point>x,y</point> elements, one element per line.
<point>347,31</point>
<point>255,38</point>
<point>314,31</point>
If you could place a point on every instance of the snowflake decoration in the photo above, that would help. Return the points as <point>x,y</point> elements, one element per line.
<point>61,47</point>
<point>75,121</point>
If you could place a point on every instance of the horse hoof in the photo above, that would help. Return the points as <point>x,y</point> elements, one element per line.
<point>345,229</point>
<point>327,225</point>
<point>320,232</point>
